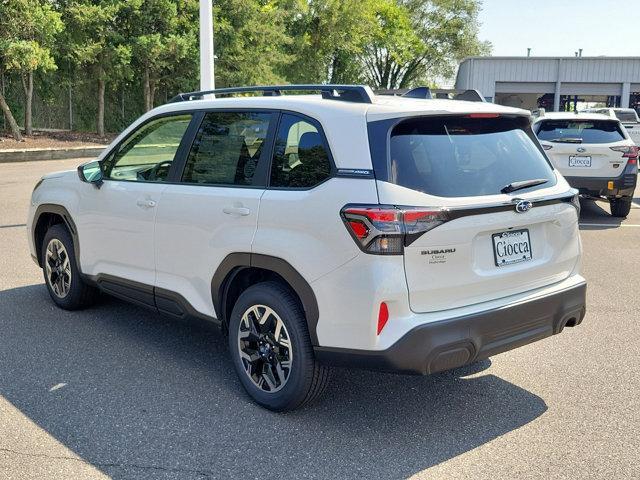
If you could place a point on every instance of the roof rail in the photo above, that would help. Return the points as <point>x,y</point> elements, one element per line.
<point>346,93</point>
<point>438,93</point>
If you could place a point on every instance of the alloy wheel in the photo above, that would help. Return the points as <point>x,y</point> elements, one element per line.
<point>58,268</point>
<point>265,348</point>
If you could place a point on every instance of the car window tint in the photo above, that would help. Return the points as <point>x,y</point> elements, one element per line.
<point>300,158</point>
<point>580,131</point>
<point>464,157</point>
<point>227,148</point>
<point>147,154</point>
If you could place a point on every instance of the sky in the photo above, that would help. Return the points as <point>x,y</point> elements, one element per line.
<point>561,27</point>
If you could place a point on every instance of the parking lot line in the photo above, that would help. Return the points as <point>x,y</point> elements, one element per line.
<point>16,225</point>
<point>606,225</point>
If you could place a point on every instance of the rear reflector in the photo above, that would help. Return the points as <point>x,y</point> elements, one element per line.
<point>383,316</point>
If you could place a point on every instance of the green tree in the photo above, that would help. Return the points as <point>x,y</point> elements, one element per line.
<point>328,36</point>
<point>32,26</point>
<point>417,41</point>
<point>250,42</point>
<point>158,41</point>
<point>95,41</point>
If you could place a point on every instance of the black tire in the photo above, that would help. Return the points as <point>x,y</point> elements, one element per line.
<point>306,379</point>
<point>79,295</point>
<point>620,207</point>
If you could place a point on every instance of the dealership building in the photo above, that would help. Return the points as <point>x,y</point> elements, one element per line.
<point>553,83</point>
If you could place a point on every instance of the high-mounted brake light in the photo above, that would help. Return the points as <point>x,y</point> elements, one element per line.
<point>386,230</point>
<point>482,115</point>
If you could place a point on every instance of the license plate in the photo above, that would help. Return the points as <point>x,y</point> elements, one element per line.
<point>513,246</point>
<point>579,161</point>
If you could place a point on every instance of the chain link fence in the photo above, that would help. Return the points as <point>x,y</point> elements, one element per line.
<point>60,104</point>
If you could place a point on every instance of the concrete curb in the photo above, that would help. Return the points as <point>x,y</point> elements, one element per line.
<point>35,154</point>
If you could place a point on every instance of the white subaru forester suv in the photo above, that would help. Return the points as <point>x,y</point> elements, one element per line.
<point>331,228</point>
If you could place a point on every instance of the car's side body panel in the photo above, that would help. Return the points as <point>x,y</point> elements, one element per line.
<point>194,235</point>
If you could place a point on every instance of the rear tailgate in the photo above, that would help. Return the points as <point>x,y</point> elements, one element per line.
<point>484,248</point>
<point>586,160</point>
<point>465,261</point>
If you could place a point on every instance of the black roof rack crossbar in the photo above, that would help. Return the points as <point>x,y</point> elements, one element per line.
<point>439,93</point>
<point>419,92</point>
<point>347,93</point>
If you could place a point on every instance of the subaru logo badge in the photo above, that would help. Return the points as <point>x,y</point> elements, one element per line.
<point>523,206</point>
<point>581,150</point>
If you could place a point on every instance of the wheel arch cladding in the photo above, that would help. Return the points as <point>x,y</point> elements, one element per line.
<point>240,268</point>
<point>45,217</point>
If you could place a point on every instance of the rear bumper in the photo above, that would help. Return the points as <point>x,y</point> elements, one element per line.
<point>448,344</point>
<point>623,186</point>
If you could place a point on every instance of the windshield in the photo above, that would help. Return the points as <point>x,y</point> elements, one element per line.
<point>580,131</point>
<point>461,157</point>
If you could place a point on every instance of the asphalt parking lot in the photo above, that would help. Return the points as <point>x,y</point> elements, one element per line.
<point>117,391</point>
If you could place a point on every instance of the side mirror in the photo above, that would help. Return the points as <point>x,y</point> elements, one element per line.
<point>91,173</point>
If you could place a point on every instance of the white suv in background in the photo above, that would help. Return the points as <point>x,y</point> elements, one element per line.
<point>594,153</point>
<point>340,228</point>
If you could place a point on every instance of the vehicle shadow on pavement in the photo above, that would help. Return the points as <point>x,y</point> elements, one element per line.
<point>594,215</point>
<point>150,397</point>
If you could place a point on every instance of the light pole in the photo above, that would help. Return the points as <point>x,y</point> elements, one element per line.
<point>207,78</point>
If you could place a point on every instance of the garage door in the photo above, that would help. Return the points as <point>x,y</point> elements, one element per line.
<point>591,89</point>
<point>525,87</point>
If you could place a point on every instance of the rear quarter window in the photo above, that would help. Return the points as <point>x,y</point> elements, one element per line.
<point>580,131</point>
<point>461,157</point>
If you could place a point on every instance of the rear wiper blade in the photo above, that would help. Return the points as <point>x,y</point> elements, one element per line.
<point>567,140</point>
<point>512,187</point>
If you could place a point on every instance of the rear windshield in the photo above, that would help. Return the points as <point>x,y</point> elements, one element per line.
<point>580,131</point>
<point>626,116</point>
<point>461,157</point>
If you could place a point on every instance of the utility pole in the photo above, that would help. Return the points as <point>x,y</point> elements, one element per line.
<point>207,79</point>
<point>528,52</point>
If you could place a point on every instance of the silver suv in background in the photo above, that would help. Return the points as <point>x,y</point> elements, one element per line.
<point>627,116</point>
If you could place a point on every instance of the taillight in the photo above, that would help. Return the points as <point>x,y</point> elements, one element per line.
<point>386,230</point>
<point>628,151</point>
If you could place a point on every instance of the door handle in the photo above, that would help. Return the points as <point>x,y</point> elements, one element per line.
<point>146,203</point>
<point>235,210</point>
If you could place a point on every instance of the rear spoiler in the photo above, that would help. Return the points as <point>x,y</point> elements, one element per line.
<point>439,93</point>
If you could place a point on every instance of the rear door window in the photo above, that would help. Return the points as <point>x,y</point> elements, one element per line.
<point>460,156</point>
<point>580,131</point>
<point>227,148</point>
